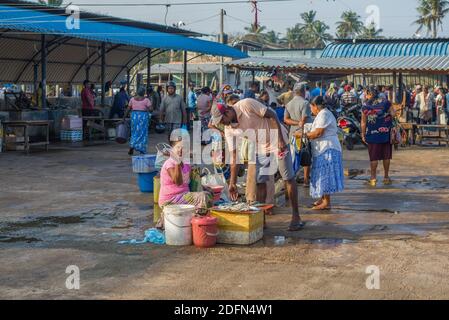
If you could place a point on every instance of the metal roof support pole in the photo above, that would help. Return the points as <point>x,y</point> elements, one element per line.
<point>148,70</point>
<point>36,81</point>
<point>128,78</point>
<point>44,71</point>
<point>103,73</point>
<point>87,73</point>
<point>395,80</point>
<point>184,78</point>
<point>401,87</point>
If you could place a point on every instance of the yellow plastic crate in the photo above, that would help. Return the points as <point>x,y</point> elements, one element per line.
<point>239,227</point>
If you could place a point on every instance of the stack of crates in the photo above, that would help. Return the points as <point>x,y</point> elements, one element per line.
<point>72,129</point>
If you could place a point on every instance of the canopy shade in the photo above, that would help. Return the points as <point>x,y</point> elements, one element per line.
<point>71,51</point>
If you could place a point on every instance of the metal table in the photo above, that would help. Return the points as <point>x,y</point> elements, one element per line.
<point>26,124</point>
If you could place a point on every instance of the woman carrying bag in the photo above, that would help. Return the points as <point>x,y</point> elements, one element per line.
<point>327,168</point>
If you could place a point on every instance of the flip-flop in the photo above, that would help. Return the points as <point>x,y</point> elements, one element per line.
<point>296,227</point>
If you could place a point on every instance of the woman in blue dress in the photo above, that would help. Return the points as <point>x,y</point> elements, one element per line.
<point>139,106</point>
<point>376,124</point>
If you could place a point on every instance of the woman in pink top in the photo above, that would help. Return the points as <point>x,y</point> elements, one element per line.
<point>175,180</point>
<point>139,106</point>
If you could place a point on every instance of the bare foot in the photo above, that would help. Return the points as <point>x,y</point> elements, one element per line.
<point>322,206</point>
<point>317,203</point>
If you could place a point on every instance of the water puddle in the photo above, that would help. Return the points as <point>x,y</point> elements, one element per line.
<point>280,241</point>
<point>10,239</point>
<point>44,222</point>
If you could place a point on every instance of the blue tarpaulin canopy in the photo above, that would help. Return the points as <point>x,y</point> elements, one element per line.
<point>71,50</point>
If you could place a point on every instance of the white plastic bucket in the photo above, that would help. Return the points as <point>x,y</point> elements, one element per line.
<point>177,223</point>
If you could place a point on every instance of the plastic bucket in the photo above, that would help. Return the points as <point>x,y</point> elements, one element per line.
<point>145,181</point>
<point>177,223</point>
<point>205,231</point>
<point>122,132</point>
<point>144,163</point>
<point>157,188</point>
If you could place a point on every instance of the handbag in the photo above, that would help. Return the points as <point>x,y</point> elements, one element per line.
<point>305,151</point>
<point>306,154</point>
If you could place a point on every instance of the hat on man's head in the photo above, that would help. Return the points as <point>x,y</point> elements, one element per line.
<point>300,86</point>
<point>217,112</point>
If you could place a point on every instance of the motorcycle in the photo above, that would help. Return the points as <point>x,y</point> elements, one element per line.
<point>349,123</point>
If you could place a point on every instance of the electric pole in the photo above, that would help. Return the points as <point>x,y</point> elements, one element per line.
<point>222,40</point>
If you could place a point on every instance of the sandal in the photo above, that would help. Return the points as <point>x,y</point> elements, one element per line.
<point>372,182</point>
<point>388,182</point>
<point>296,226</point>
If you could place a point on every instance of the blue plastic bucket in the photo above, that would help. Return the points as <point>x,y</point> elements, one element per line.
<point>145,181</point>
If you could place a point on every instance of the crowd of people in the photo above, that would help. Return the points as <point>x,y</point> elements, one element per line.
<point>300,116</point>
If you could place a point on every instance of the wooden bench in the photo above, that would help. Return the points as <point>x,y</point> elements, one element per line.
<point>442,133</point>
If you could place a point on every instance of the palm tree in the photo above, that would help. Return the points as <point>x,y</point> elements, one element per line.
<point>309,33</point>
<point>320,35</point>
<point>370,32</point>
<point>255,33</point>
<point>349,26</point>
<point>293,36</point>
<point>272,37</point>
<point>54,3</point>
<point>431,15</point>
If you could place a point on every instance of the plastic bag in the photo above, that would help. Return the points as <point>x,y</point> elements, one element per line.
<point>151,236</point>
<point>296,156</point>
<point>216,179</point>
<point>195,180</point>
<point>162,155</point>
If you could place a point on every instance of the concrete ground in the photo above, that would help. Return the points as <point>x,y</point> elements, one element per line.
<point>71,206</point>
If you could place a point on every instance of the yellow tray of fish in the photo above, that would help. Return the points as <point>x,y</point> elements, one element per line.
<point>239,227</point>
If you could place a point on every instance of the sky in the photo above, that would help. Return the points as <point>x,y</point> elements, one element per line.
<point>395,17</point>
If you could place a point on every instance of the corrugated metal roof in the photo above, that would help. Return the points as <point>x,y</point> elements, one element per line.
<point>399,48</point>
<point>71,51</point>
<point>165,68</point>
<point>262,63</point>
<point>86,15</point>
<point>438,64</point>
<point>17,18</point>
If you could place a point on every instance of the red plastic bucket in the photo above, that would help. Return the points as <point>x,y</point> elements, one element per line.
<point>205,231</point>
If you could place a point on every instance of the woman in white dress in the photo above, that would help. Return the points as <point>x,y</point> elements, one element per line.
<point>327,162</point>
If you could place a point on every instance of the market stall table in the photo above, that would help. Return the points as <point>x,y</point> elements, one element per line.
<point>26,125</point>
<point>423,133</point>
